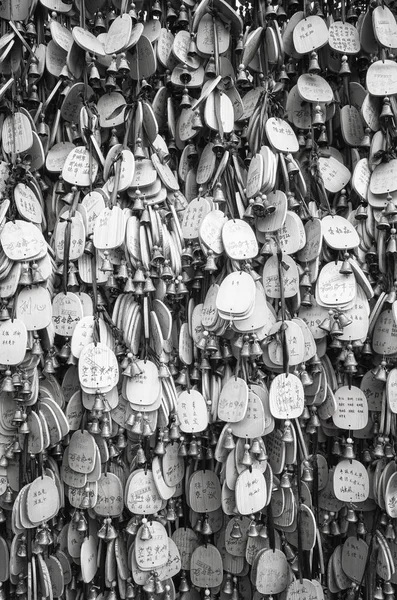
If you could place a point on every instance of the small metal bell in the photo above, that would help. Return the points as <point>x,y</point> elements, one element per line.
<point>206,528</point>
<point>348,451</point>
<point>236,531</point>
<point>318,117</point>
<point>145,534</point>
<point>387,112</point>
<point>247,459</point>
<point>314,67</point>
<point>229,443</point>
<point>253,529</point>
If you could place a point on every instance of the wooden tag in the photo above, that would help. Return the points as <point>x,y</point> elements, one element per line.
<point>351,482</point>
<point>384,338</point>
<point>192,412</point>
<point>27,203</point>
<point>313,88</point>
<point>118,35</point>
<point>352,412</point>
<point>152,553</point>
<point>292,237</point>
<point>98,367</point>
<point>308,529</point>
<point>344,38</point>
<point>281,135</point>
<point>333,288</point>
<point>141,496</point>
<point>82,452</point>
<point>110,496</point>
<point>270,573</point>
<point>236,294</point>
<point>352,126</point>
<point>13,340</point>
<point>16,133</point>
<point>142,59</point>
<point>250,492</point>
<point>210,232</point>
<point>303,588</point>
<point>206,569</point>
<point>339,233</point>
<point>66,313</point>
<point>22,241</point>
<point>276,220</point>
<point>290,277</point>
<point>87,41</point>
<point>354,558</point>
<point>33,308</point>
<point>310,34</point>
<point>204,492</point>
<point>76,169</point>
<point>385,27</point>
<point>42,500</point>
<point>89,559</point>
<point>233,400</point>
<point>381,78</point>
<point>335,175</point>
<point>143,389</point>
<point>286,397</point>
<point>383,178</point>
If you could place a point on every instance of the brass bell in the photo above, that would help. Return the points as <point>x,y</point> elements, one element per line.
<point>229,443</point>
<point>106,429</point>
<point>344,320</point>
<point>206,528</point>
<point>123,67</point>
<point>285,481</point>
<point>99,24</point>
<point>392,243</point>
<point>183,19</point>
<point>85,501</point>
<point>383,223</point>
<point>82,524</point>
<point>379,448</point>
<point>314,67</point>
<point>253,529</point>
<point>228,585</point>
<point>323,138</point>
<point>348,451</point>
<point>8,497</point>
<point>336,329</point>
<point>247,459</point>
<point>378,594</point>
<point>94,427</point>
<point>344,68</point>
<point>236,531</point>
<point>388,589</point>
<point>336,449</point>
<point>305,378</point>
<point>287,436</point>
<point>361,528</point>
<point>145,534</point>
<point>307,474</point>
<point>387,112</point>
<point>24,428</point>
<point>147,429</point>
<point>351,516</point>
<point>317,116</point>
<point>159,587</point>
